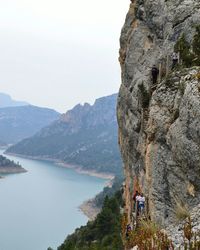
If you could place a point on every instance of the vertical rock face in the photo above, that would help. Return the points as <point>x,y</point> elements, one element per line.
<point>159,130</point>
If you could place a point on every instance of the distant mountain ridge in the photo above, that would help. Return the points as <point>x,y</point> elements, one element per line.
<point>85,136</point>
<point>7,101</point>
<point>17,123</point>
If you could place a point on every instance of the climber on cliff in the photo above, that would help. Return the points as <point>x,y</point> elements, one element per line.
<point>174,60</point>
<point>154,73</point>
<point>141,203</point>
<point>128,230</point>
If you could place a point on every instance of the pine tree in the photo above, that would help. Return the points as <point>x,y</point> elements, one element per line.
<point>196,46</point>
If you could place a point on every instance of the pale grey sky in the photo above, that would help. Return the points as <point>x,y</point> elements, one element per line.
<point>57,53</point>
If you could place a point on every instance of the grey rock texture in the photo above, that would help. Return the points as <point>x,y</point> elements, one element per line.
<point>160,143</point>
<point>175,232</point>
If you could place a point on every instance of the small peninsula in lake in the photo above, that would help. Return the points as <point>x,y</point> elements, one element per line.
<point>10,167</point>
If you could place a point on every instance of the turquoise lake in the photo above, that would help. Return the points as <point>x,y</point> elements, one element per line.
<point>39,208</point>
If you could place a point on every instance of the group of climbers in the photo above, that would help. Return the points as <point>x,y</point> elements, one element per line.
<point>138,198</point>
<point>138,207</point>
<point>155,70</point>
<point>139,203</point>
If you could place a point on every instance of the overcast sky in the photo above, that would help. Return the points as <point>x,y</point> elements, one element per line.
<point>57,53</point>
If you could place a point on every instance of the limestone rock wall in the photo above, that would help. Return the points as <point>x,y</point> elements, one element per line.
<point>160,142</point>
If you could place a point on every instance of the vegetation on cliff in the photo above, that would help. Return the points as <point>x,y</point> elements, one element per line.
<point>108,191</point>
<point>93,206</point>
<point>150,237</point>
<point>189,52</point>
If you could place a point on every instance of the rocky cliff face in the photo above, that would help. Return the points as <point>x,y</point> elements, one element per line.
<point>159,129</point>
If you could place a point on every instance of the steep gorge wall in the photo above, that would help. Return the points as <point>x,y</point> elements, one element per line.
<point>160,143</point>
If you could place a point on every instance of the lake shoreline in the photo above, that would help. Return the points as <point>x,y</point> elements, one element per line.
<point>10,167</point>
<point>78,169</point>
<point>88,207</point>
<point>12,170</point>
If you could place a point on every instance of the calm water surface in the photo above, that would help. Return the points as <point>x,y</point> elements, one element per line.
<point>39,208</point>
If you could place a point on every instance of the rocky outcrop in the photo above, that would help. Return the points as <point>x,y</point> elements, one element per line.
<point>159,127</point>
<point>175,232</point>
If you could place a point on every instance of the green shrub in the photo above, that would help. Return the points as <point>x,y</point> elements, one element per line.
<point>182,211</point>
<point>197,76</point>
<point>104,233</point>
<point>184,48</point>
<point>148,237</point>
<point>189,54</point>
<point>196,46</point>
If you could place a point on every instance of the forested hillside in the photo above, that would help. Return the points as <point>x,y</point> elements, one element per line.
<point>85,136</point>
<point>102,234</point>
<point>8,167</point>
